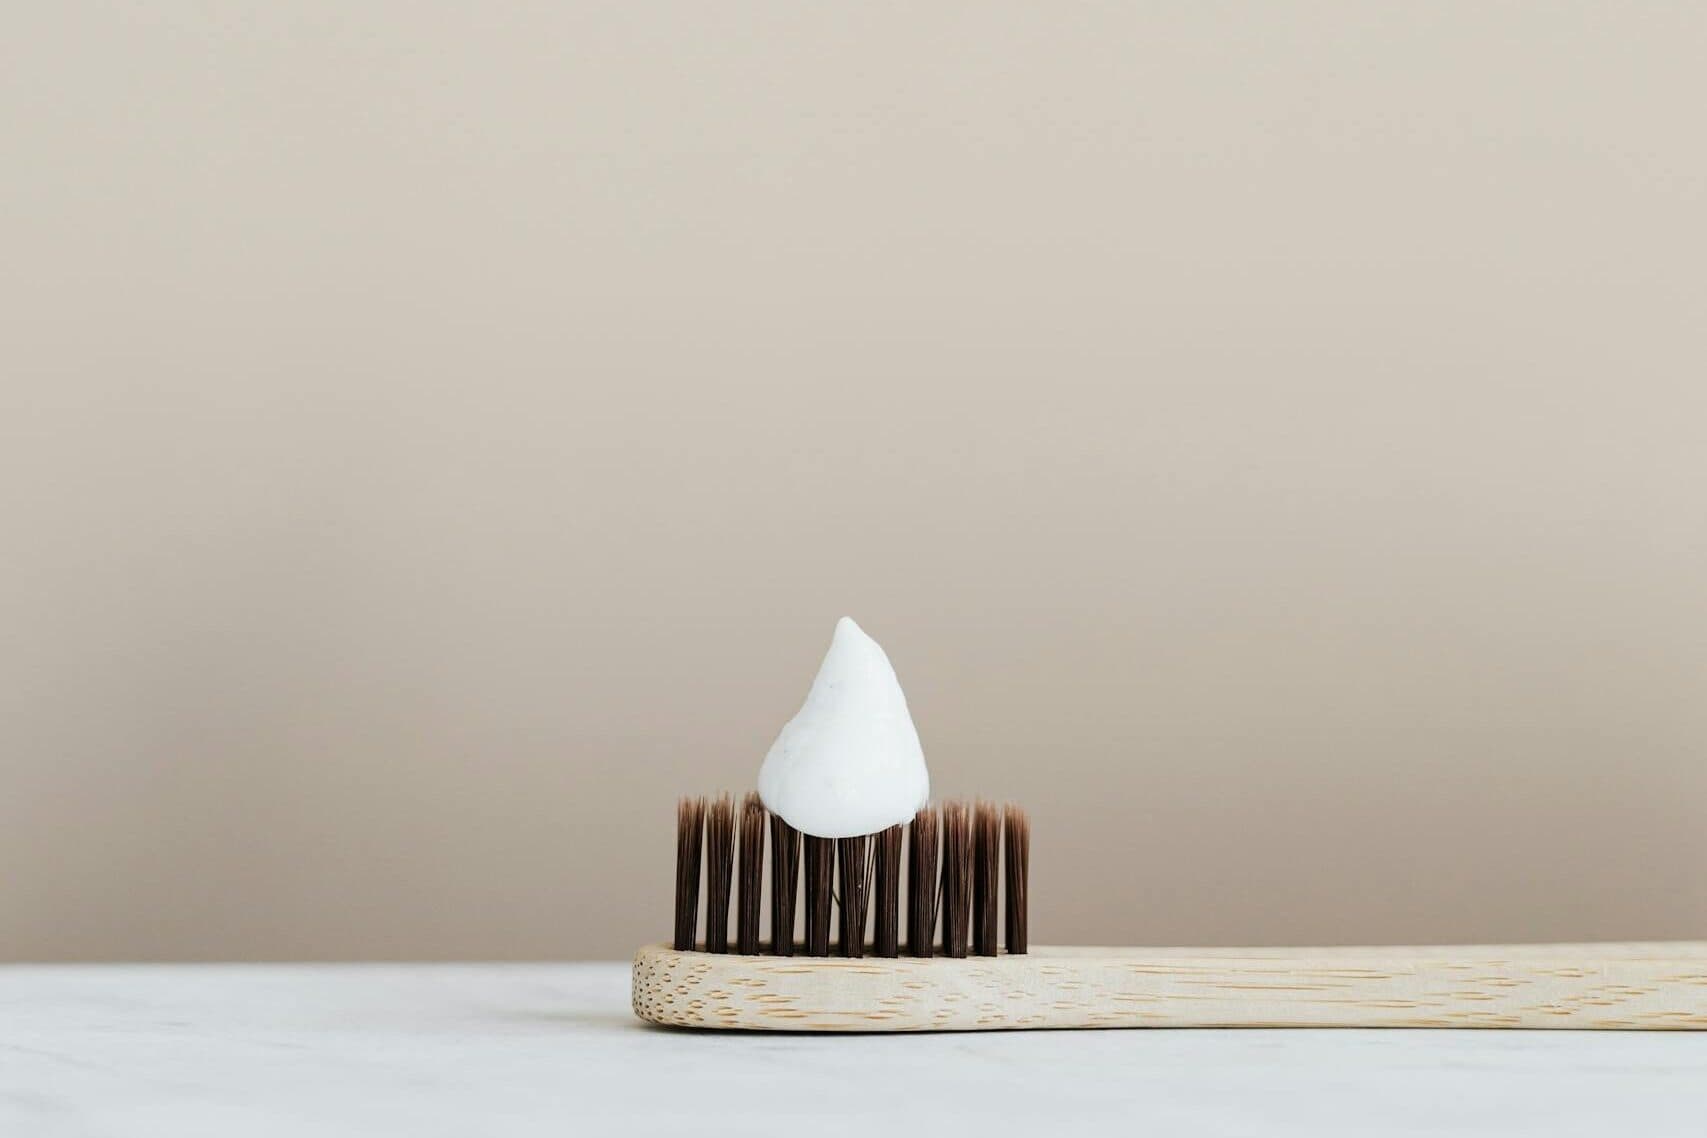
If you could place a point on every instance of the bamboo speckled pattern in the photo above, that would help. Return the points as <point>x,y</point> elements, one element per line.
<point>1637,986</point>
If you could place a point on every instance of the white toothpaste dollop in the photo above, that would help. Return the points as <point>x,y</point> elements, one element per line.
<point>849,762</point>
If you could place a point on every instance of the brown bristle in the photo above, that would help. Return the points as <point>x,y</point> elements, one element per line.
<point>785,884</point>
<point>922,881</point>
<point>1017,850</point>
<point>886,874</point>
<point>820,871</point>
<point>751,875</point>
<point>853,864</point>
<point>956,877</point>
<point>986,871</point>
<point>690,826</point>
<point>719,871</point>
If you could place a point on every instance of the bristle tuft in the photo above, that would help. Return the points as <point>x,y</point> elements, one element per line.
<point>820,873</point>
<point>1016,846</point>
<point>986,872</point>
<point>922,845</point>
<point>751,875</point>
<point>853,867</point>
<point>690,826</point>
<point>956,877</point>
<point>886,873</point>
<point>785,884</point>
<point>719,871</point>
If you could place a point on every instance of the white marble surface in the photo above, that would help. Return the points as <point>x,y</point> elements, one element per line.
<point>492,1050</point>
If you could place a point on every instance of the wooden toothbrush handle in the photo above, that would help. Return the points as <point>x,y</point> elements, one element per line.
<point>1608,986</point>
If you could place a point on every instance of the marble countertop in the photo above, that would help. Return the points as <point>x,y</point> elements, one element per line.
<point>552,1049</point>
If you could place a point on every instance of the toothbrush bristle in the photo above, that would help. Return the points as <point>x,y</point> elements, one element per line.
<point>956,877</point>
<point>820,871</point>
<point>922,881</point>
<point>719,871</point>
<point>690,825</point>
<point>785,884</point>
<point>986,872</point>
<point>853,863</point>
<point>1016,849</point>
<point>886,872</point>
<point>962,861</point>
<point>751,875</point>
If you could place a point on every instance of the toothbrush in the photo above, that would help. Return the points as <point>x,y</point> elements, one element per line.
<point>964,981</point>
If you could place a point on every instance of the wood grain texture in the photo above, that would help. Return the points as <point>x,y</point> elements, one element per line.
<point>1654,986</point>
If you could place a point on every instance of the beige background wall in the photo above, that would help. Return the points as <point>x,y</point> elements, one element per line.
<point>1269,440</point>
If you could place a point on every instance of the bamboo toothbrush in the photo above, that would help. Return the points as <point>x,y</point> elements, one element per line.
<point>964,981</point>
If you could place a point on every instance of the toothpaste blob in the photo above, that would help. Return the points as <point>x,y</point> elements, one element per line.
<point>849,762</point>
